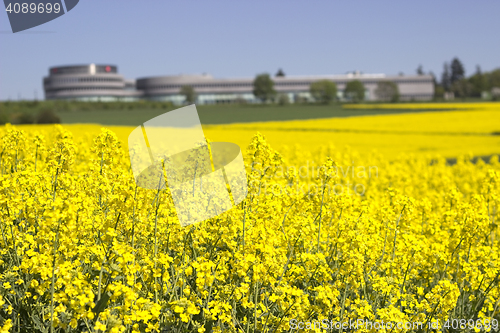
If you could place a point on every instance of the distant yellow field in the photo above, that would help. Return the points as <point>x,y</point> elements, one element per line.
<point>447,133</point>
<point>441,122</point>
<point>447,106</point>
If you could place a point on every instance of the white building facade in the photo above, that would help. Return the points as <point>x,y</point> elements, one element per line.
<point>103,83</point>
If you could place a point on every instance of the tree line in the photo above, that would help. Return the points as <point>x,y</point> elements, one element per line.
<point>325,91</point>
<point>322,91</point>
<point>478,85</point>
<point>453,81</point>
<point>48,111</point>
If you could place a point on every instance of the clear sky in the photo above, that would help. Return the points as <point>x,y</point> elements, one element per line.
<point>246,37</point>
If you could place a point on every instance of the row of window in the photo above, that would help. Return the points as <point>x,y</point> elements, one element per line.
<point>83,88</point>
<point>70,70</point>
<point>200,85</point>
<point>250,84</point>
<point>415,95</point>
<point>307,83</point>
<point>83,79</point>
<point>119,88</point>
<point>84,69</point>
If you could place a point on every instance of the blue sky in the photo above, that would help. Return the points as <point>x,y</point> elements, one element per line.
<point>244,38</point>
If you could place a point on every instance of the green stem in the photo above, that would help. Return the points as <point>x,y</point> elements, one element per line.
<point>56,241</point>
<point>321,211</point>
<point>396,233</point>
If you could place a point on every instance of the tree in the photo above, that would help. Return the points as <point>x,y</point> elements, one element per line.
<point>354,91</point>
<point>461,88</point>
<point>280,73</point>
<point>263,87</point>
<point>387,91</point>
<point>457,71</point>
<point>438,91</point>
<point>323,91</point>
<point>445,77</point>
<point>434,80</point>
<point>23,118</point>
<point>189,93</point>
<point>494,79</point>
<point>4,119</point>
<point>420,70</point>
<point>479,82</point>
<point>283,99</point>
<point>48,116</point>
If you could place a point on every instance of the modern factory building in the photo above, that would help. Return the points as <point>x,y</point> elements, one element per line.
<point>103,83</point>
<point>89,83</point>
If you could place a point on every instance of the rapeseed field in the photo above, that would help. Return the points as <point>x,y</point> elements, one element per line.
<point>427,106</point>
<point>329,236</point>
<point>445,133</point>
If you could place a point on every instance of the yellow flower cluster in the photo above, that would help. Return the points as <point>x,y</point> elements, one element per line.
<point>326,236</point>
